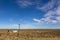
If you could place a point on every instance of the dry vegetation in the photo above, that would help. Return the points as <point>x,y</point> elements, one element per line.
<point>30,34</point>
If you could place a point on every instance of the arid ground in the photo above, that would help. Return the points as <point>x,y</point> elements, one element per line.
<point>30,34</point>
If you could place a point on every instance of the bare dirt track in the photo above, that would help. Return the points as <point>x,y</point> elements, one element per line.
<point>30,34</point>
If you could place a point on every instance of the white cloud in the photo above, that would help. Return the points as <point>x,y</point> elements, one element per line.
<point>58,10</point>
<point>58,18</point>
<point>52,15</point>
<point>52,9</point>
<point>49,5</point>
<point>24,3</point>
<point>46,6</point>
<point>37,20</point>
<point>28,3</point>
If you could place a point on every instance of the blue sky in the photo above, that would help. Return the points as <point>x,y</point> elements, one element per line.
<point>31,14</point>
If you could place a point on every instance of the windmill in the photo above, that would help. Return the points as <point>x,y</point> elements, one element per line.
<point>15,30</point>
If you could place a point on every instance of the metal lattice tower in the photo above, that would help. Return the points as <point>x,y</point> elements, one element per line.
<point>19,27</point>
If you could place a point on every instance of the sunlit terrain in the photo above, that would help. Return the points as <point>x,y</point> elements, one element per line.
<point>30,34</point>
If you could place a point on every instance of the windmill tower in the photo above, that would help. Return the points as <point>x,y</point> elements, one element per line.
<point>19,27</point>
<point>18,30</point>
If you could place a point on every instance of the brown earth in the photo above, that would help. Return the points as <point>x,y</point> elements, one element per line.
<point>30,34</point>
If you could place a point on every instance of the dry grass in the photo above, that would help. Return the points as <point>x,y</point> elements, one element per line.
<point>30,34</point>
